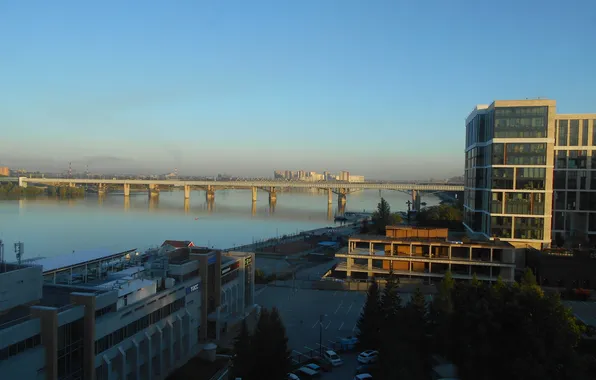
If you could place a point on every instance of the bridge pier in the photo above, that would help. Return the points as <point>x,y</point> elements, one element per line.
<point>342,198</point>
<point>126,203</point>
<point>210,205</point>
<point>186,191</point>
<point>210,194</point>
<point>101,189</point>
<point>186,205</point>
<point>272,203</point>
<point>253,209</point>
<point>127,189</point>
<point>329,196</point>
<point>153,191</point>
<point>254,194</point>
<point>329,211</point>
<point>272,195</point>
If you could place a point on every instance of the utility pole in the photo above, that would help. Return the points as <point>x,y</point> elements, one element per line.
<point>321,336</point>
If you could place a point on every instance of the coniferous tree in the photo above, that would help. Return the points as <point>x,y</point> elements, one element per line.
<point>244,358</point>
<point>270,346</point>
<point>413,353</point>
<point>369,324</point>
<point>391,306</point>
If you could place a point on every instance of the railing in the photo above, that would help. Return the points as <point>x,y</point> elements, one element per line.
<point>222,373</point>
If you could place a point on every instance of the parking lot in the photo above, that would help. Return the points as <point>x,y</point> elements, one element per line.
<point>307,313</point>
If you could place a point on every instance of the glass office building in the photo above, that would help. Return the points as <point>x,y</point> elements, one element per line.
<point>517,153</point>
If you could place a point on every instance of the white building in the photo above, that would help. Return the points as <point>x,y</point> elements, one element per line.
<point>122,316</point>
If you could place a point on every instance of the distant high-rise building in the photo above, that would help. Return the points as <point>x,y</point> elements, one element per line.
<point>4,171</point>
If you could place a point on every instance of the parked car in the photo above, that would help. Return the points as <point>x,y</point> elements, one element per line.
<point>313,367</point>
<point>293,376</point>
<point>363,376</point>
<point>368,356</point>
<point>333,358</point>
<point>308,373</point>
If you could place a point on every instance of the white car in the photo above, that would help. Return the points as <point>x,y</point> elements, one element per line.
<point>333,358</point>
<point>368,356</point>
<point>363,376</point>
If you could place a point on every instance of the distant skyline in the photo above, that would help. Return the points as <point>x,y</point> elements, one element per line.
<point>380,88</point>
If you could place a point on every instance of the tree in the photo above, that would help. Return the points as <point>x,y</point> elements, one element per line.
<point>369,332</point>
<point>511,332</point>
<point>270,347</point>
<point>413,351</point>
<point>391,327</point>
<point>383,217</point>
<point>244,358</point>
<point>444,215</point>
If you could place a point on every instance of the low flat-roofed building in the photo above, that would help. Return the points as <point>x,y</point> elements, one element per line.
<point>119,316</point>
<point>426,253</point>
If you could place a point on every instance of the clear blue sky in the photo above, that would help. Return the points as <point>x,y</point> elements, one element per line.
<point>380,88</point>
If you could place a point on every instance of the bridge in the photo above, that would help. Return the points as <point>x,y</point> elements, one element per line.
<point>270,186</point>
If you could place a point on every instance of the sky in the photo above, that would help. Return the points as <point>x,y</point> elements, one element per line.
<point>379,88</point>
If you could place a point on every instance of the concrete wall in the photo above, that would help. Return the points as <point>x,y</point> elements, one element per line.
<point>27,280</point>
<point>28,365</point>
<point>20,332</point>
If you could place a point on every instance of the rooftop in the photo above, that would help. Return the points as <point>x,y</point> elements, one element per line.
<point>57,296</point>
<point>584,311</point>
<point>179,243</point>
<point>389,239</point>
<point>78,258</point>
<point>9,267</point>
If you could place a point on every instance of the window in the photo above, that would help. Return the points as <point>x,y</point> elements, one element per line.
<point>529,228</point>
<point>521,122</point>
<point>563,131</point>
<point>525,154</point>
<point>574,133</point>
<point>560,180</point>
<point>502,178</point>
<point>594,133</point>
<point>498,154</point>
<point>572,179</point>
<point>140,324</point>
<point>17,348</point>
<point>559,200</point>
<point>561,160</point>
<point>530,178</point>
<point>585,133</point>
<point>525,203</point>
<point>500,226</point>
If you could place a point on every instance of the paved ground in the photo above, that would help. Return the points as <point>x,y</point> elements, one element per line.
<point>301,310</point>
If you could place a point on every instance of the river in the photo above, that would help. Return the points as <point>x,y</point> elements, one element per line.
<point>50,227</point>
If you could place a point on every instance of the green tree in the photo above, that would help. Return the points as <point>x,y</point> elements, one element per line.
<point>444,216</point>
<point>413,352</point>
<point>270,345</point>
<point>244,358</point>
<point>383,217</point>
<point>369,323</point>
<point>391,328</point>
<point>511,332</point>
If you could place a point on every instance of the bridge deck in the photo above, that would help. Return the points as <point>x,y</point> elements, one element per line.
<point>253,183</point>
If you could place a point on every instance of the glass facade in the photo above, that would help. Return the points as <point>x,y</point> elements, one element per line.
<point>563,127</point>
<point>530,178</point>
<point>520,122</point>
<point>529,228</point>
<point>70,350</point>
<point>574,133</point>
<point>585,134</point>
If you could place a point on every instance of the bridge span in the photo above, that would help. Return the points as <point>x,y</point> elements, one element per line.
<point>270,186</point>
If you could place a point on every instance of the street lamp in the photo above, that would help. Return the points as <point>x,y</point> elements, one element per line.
<point>321,334</point>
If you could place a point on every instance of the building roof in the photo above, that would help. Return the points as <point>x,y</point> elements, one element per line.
<point>179,243</point>
<point>439,240</point>
<point>584,311</point>
<point>77,258</point>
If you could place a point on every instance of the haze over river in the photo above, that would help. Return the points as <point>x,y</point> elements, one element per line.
<point>50,227</point>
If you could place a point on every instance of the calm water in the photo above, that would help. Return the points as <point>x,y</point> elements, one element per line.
<point>50,227</point>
